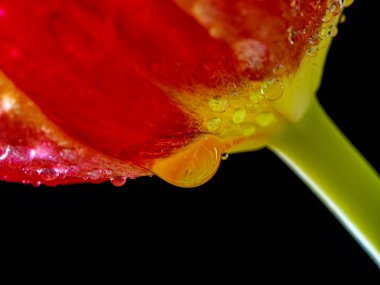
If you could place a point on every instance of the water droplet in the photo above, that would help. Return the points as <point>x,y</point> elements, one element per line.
<point>94,174</point>
<point>213,124</point>
<point>347,3</point>
<point>37,183</point>
<point>292,35</point>
<point>273,89</point>
<point>334,31</point>
<point>314,40</point>
<point>193,165</point>
<point>295,4</point>
<point>265,119</point>
<point>342,19</point>
<point>69,154</point>
<point>216,32</point>
<point>313,51</point>
<point>328,16</point>
<point>224,156</point>
<point>118,181</point>
<point>249,130</point>
<point>108,172</point>
<point>48,174</point>
<point>256,97</point>
<point>239,116</point>
<point>279,70</point>
<point>218,104</point>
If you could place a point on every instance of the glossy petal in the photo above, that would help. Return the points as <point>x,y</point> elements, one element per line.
<point>120,80</point>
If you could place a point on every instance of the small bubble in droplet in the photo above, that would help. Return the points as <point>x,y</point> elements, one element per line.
<point>239,116</point>
<point>224,156</point>
<point>118,181</point>
<point>313,51</point>
<point>48,174</point>
<point>265,119</point>
<point>273,89</point>
<point>249,130</point>
<point>213,124</point>
<point>218,104</point>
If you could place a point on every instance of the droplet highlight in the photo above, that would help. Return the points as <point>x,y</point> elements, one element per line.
<point>224,156</point>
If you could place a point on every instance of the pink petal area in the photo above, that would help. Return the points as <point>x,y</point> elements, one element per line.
<point>33,150</point>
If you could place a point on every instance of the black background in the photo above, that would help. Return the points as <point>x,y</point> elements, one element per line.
<point>254,215</point>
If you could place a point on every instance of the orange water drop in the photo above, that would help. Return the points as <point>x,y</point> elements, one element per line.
<point>193,165</point>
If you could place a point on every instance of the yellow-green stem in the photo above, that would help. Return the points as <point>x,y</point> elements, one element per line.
<point>336,172</point>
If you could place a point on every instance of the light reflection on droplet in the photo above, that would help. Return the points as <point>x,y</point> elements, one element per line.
<point>224,156</point>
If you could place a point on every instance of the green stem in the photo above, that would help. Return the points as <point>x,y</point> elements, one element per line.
<point>329,164</point>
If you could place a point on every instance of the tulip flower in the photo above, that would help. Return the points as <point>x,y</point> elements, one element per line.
<point>109,90</point>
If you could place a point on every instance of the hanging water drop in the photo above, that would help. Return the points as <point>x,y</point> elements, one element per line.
<point>193,165</point>
<point>118,181</point>
<point>224,156</point>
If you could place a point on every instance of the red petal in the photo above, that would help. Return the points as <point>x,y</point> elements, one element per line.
<point>103,71</point>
